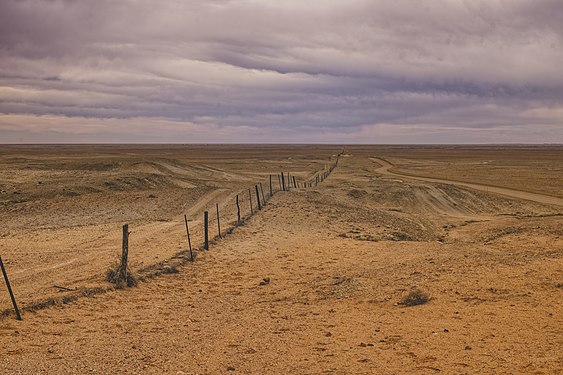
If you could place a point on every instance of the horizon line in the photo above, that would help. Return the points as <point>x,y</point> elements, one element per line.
<point>271,144</point>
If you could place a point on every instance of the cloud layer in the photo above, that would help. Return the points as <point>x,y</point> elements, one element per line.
<point>271,71</point>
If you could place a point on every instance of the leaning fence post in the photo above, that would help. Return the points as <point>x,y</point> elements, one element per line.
<point>294,182</point>
<point>18,316</point>
<point>250,198</point>
<point>258,197</point>
<point>283,181</point>
<point>206,230</point>
<point>124,253</point>
<point>238,212</point>
<point>218,221</point>
<point>189,240</point>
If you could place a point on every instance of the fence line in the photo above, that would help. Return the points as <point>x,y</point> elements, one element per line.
<point>230,212</point>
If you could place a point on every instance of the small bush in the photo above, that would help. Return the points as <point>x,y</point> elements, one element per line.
<point>114,276</point>
<point>414,298</point>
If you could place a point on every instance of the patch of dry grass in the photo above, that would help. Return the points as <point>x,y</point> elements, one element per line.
<point>113,276</point>
<point>414,298</point>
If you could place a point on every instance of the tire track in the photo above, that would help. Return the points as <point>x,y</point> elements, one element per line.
<point>512,193</point>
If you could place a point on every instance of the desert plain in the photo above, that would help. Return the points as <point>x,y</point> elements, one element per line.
<point>313,283</point>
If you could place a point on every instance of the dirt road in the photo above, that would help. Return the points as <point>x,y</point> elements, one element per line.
<point>540,198</point>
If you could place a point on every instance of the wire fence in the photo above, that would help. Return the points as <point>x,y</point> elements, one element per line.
<point>219,220</point>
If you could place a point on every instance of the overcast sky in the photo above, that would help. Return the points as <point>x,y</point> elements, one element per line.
<point>348,71</point>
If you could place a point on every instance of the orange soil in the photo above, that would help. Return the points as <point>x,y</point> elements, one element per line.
<point>339,258</point>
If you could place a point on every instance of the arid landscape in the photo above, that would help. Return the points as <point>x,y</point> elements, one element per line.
<point>315,282</point>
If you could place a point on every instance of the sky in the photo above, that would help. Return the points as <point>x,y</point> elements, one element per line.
<point>291,71</point>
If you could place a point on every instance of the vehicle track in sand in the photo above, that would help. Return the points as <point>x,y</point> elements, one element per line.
<point>513,193</point>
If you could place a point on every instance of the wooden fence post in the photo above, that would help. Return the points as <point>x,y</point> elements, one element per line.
<point>238,212</point>
<point>263,198</point>
<point>250,197</point>
<point>124,254</point>
<point>283,181</point>
<point>271,192</point>
<point>206,230</point>
<point>279,183</point>
<point>294,182</point>
<point>218,221</point>
<point>189,240</point>
<point>258,197</point>
<point>18,316</point>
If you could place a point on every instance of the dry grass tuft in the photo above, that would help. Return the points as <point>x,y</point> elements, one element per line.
<point>114,276</point>
<point>415,298</point>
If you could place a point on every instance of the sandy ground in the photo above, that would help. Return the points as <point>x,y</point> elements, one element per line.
<point>511,193</point>
<point>339,258</point>
<point>62,209</point>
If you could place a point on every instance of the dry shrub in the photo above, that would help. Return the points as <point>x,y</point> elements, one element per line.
<point>113,275</point>
<point>415,298</point>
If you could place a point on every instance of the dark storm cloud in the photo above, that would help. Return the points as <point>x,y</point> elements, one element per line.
<point>358,71</point>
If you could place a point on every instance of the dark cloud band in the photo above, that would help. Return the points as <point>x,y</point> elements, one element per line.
<point>291,69</point>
